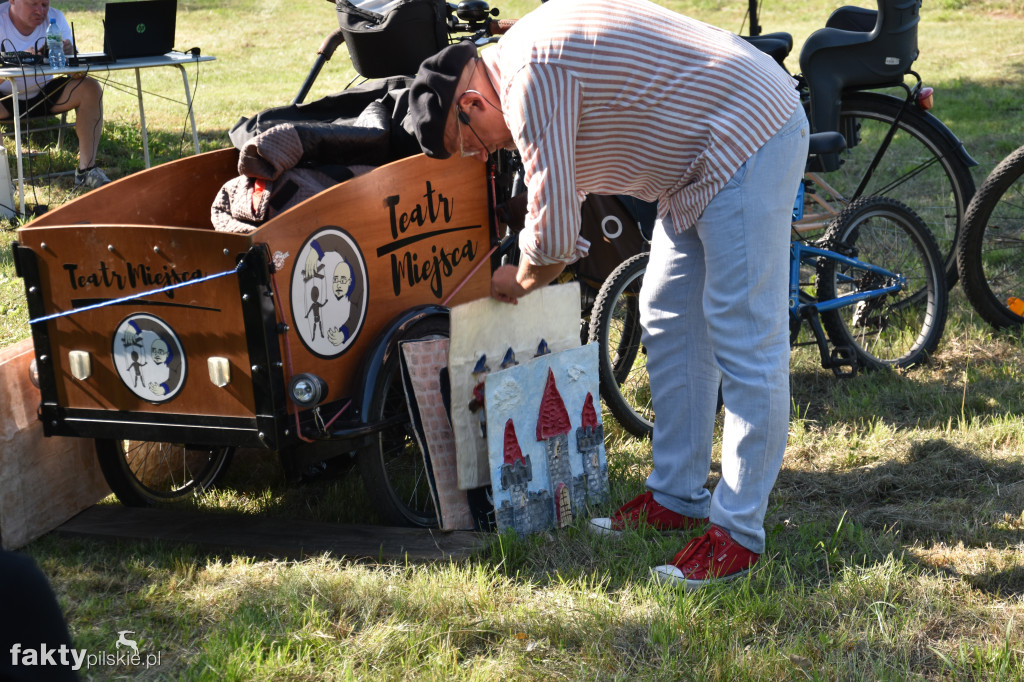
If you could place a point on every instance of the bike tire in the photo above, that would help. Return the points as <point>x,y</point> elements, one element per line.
<point>393,467</point>
<point>923,167</point>
<point>896,330</point>
<point>145,473</point>
<point>615,327</point>
<point>990,253</point>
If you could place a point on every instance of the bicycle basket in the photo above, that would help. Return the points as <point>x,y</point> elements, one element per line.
<point>396,40</point>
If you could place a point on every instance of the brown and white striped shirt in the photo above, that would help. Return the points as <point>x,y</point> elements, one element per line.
<point>627,97</point>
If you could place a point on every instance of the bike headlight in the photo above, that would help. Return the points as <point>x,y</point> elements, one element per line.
<point>307,390</point>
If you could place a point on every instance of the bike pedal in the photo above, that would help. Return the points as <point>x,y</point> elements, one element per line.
<point>843,357</point>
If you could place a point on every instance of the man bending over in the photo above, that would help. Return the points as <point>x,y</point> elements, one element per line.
<point>627,97</point>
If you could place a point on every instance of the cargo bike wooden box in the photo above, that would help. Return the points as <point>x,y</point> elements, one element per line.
<point>172,344</point>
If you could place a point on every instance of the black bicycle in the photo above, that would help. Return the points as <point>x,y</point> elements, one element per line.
<point>895,146</point>
<point>872,291</point>
<point>990,253</point>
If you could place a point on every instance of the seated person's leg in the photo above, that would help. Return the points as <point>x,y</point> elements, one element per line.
<point>85,96</point>
<point>32,107</point>
<point>37,104</point>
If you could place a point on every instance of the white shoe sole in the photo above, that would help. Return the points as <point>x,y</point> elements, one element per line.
<point>671,575</point>
<point>602,526</point>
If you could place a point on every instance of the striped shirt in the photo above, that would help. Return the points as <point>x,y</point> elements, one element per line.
<point>627,97</point>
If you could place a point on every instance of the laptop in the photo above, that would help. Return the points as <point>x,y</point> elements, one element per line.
<point>140,28</point>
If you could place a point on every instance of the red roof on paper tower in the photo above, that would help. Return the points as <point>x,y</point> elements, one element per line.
<point>512,451</point>
<point>589,414</point>
<point>552,420</point>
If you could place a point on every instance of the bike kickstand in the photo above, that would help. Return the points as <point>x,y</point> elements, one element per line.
<point>842,360</point>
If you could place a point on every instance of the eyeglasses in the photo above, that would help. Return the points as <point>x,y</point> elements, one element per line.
<point>458,128</point>
<point>462,117</point>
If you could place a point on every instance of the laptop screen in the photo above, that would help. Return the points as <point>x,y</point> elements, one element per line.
<point>141,28</point>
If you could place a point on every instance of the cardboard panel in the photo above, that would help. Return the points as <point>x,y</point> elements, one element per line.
<point>546,440</point>
<point>43,481</point>
<point>426,362</point>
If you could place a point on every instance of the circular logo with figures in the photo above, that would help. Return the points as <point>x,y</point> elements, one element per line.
<point>149,358</point>
<point>328,292</point>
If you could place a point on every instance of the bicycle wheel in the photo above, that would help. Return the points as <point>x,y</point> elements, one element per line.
<point>894,330</point>
<point>921,168</point>
<point>615,326</point>
<point>143,473</point>
<point>393,468</point>
<point>990,254</point>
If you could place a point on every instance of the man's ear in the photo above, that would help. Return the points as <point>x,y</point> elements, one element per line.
<point>471,101</point>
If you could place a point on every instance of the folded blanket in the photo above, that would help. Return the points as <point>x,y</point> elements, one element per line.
<point>284,158</point>
<point>244,203</point>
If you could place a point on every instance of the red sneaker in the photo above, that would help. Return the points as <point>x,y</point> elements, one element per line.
<point>643,510</point>
<point>713,556</point>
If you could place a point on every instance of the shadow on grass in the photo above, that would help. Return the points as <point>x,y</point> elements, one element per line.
<point>940,508</point>
<point>937,495</point>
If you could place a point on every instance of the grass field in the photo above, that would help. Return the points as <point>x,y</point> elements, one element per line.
<point>895,532</point>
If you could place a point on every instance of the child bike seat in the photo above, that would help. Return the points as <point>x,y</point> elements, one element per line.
<point>845,54</point>
<point>778,45</point>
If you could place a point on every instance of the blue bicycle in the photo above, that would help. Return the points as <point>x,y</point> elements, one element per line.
<point>872,291</point>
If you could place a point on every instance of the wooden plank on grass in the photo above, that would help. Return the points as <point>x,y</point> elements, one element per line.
<point>286,538</point>
<point>43,481</point>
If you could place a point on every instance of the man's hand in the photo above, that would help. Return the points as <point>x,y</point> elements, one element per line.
<point>509,283</point>
<point>504,285</point>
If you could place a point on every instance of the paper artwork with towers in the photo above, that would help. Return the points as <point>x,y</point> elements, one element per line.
<point>525,411</point>
<point>545,441</point>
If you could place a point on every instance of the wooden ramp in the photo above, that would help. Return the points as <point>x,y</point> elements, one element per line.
<point>260,536</point>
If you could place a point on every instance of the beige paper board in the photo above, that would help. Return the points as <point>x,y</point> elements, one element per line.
<point>489,327</point>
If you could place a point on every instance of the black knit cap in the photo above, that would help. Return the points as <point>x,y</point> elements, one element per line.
<point>432,94</point>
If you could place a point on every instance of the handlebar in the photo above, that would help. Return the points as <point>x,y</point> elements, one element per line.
<point>474,17</point>
<point>500,27</point>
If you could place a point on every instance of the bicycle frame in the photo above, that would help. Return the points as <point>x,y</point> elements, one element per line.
<point>805,254</point>
<point>802,306</point>
<point>830,201</point>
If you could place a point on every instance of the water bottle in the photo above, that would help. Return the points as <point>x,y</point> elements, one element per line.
<point>55,45</point>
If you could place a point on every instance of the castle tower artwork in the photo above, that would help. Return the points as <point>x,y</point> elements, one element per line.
<point>590,445</point>
<point>553,429</point>
<point>524,510</point>
<point>552,399</point>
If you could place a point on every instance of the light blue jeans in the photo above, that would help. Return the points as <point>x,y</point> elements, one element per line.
<point>714,308</point>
